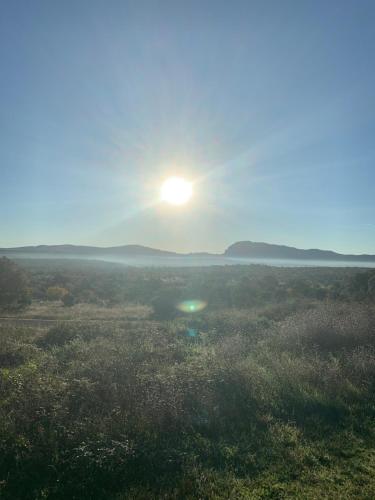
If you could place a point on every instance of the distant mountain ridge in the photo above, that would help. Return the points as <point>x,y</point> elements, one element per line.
<point>256,250</point>
<point>123,250</point>
<point>240,249</point>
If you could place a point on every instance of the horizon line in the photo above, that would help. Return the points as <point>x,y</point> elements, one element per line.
<point>219,253</point>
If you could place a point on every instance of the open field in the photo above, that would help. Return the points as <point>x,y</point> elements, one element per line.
<point>267,392</point>
<point>53,311</point>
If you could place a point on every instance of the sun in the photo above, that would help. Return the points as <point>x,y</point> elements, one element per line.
<point>176,191</point>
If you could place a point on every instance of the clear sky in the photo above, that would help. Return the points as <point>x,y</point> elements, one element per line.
<point>268,106</point>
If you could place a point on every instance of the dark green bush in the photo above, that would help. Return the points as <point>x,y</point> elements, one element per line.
<point>14,291</point>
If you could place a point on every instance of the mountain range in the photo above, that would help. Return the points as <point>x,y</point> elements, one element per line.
<point>241,249</point>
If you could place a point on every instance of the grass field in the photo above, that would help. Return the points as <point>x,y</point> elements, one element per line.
<point>274,399</point>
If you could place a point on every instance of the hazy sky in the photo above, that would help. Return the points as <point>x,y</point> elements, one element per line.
<point>268,106</point>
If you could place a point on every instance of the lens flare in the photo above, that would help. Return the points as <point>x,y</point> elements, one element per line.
<point>192,306</point>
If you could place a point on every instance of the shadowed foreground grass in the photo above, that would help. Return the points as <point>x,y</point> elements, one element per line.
<point>258,404</point>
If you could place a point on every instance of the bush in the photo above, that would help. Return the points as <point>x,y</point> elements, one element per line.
<point>14,291</point>
<point>68,300</point>
<point>329,328</point>
<point>165,304</point>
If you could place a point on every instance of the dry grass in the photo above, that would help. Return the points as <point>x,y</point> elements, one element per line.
<point>81,312</point>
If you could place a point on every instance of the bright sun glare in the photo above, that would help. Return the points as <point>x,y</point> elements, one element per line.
<point>176,190</point>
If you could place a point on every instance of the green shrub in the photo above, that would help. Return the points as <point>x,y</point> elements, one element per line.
<point>14,290</point>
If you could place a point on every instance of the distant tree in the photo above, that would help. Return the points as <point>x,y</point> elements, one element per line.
<point>68,300</point>
<point>359,286</point>
<point>371,286</point>
<point>300,287</point>
<point>165,303</point>
<point>14,291</point>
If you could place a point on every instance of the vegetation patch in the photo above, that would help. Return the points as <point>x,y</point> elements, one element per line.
<point>273,398</point>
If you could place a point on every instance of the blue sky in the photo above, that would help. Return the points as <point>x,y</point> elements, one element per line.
<point>268,106</point>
